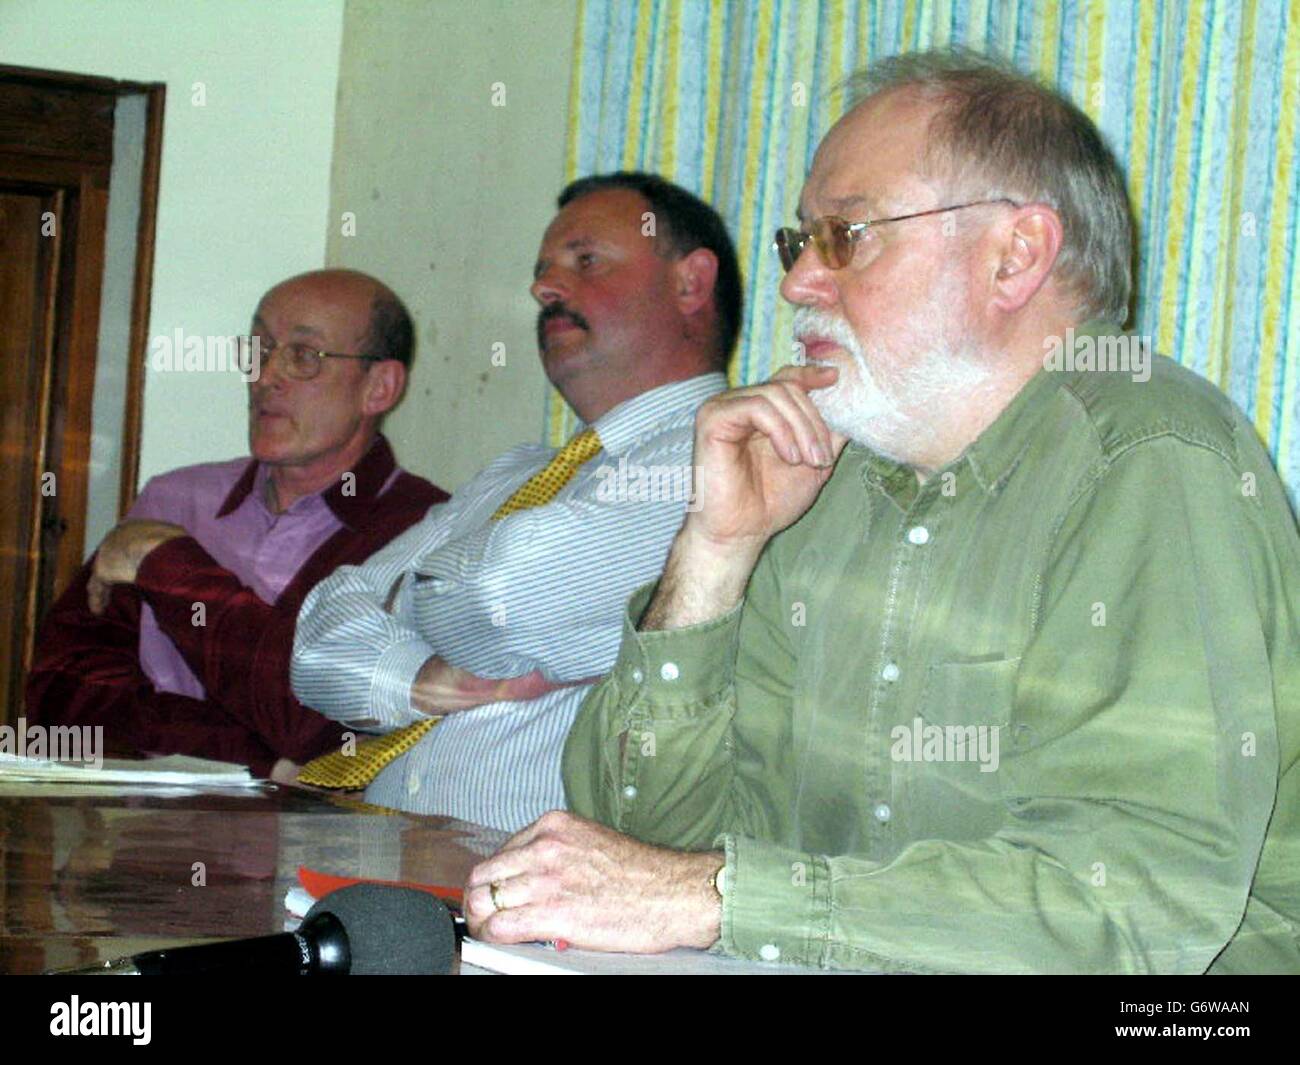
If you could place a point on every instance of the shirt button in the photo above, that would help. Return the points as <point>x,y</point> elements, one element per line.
<point>890,672</point>
<point>918,534</point>
<point>769,952</point>
<point>637,676</point>
<point>883,812</point>
<point>669,671</point>
<point>629,792</point>
<point>412,783</point>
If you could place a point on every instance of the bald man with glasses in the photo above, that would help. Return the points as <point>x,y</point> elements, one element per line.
<point>175,637</point>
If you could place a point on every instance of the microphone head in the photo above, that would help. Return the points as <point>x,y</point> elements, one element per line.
<point>392,931</point>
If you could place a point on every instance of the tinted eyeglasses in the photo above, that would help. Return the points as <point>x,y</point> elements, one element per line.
<point>834,237</point>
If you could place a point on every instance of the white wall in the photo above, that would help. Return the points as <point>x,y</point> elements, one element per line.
<point>245,177</point>
<point>451,195</point>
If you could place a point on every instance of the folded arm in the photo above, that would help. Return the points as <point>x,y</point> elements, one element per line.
<point>86,671</point>
<point>544,588</point>
<point>237,645</point>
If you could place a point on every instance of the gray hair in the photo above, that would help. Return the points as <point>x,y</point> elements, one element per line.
<point>1000,133</point>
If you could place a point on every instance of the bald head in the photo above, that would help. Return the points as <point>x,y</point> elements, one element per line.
<point>365,309</point>
<point>333,344</point>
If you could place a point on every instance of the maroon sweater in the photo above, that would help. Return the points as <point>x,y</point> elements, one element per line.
<point>86,670</point>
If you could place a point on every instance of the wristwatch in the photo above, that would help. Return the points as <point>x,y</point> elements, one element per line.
<point>718,881</point>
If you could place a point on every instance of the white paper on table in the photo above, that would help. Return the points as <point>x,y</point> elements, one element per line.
<point>541,959</point>
<point>173,770</point>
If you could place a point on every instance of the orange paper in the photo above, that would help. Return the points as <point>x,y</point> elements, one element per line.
<point>318,885</point>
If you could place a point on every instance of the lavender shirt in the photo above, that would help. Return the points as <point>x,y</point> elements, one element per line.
<point>262,549</point>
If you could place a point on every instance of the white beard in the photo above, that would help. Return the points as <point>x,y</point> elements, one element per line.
<point>901,418</point>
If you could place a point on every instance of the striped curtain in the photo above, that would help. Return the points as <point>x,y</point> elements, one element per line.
<point>1199,99</point>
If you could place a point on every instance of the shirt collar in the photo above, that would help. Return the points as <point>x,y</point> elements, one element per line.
<point>994,455</point>
<point>372,473</point>
<point>893,478</point>
<point>622,427</point>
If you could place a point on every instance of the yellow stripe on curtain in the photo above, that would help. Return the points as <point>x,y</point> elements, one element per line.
<point>1199,101</point>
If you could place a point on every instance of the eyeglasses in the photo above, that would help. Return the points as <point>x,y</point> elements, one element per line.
<point>300,361</point>
<point>834,238</point>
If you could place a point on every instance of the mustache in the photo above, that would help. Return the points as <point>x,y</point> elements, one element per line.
<point>557,310</point>
<point>811,321</point>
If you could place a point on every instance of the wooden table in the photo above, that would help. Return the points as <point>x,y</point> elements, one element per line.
<point>91,873</point>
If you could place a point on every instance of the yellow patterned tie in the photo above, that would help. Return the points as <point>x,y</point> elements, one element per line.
<point>356,770</point>
<point>545,485</point>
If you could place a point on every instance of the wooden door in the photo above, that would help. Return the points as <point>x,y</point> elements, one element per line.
<point>28,281</point>
<point>56,148</point>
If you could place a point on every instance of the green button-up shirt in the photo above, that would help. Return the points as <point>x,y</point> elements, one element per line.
<point>1039,714</point>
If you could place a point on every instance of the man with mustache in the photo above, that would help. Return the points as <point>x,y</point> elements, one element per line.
<point>965,663</point>
<point>490,618</point>
<point>175,636</point>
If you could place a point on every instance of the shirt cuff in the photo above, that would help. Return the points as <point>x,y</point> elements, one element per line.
<point>677,672</point>
<point>777,902</point>
<point>390,690</point>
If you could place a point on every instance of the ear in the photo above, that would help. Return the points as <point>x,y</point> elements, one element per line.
<point>693,279</point>
<point>384,385</point>
<point>1024,256</point>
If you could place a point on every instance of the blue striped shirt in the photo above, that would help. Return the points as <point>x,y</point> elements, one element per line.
<point>540,589</point>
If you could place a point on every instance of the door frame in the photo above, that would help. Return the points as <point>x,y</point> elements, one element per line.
<point>57,131</point>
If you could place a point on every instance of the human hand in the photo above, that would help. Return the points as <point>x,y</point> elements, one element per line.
<point>284,771</point>
<point>441,688</point>
<point>566,878</point>
<point>762,455</point>
<point>119,556</point>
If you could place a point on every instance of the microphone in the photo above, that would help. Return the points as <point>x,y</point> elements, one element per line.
<point>361,930</point>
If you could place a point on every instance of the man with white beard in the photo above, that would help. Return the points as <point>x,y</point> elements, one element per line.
<point>960,664</point>
<point>862,410</point>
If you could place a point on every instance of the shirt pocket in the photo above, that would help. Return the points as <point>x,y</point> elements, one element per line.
<point>952,747</point>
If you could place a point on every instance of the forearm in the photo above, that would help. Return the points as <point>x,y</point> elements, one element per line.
<point>352,661</point>
<point>165,723</point>
<point>648,755</point>
<point>206,611</point>
<point>87,673</point>
<point>237,645</point>
<point>141,720</point>
<point>701,905</point>
<point>493,601</point>
<point>702,580</point>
